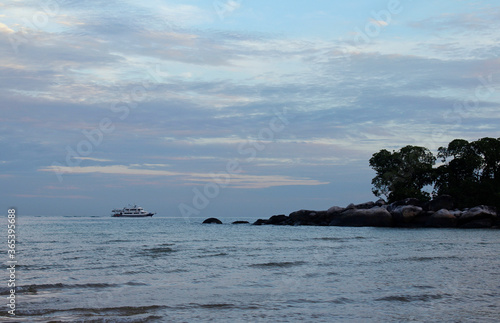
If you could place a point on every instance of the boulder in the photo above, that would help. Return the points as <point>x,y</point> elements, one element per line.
<point>240,222</point>
<point>404,215</point>
<point>307,217</point>
<point>335,209</point>
<point>442,219</point>
<point>278,219</point>
<point>380,202</point>
<point>260,222</point>
<point>478,224</point>
<point>407,201</point>
<point>212,221</point>
<point>367,205</point>
<point>440,202</point>
<point>301,215</point>
<point>481,211</point>
<point>374,217</point>
<point>350,206</point>
<point>478,217</point>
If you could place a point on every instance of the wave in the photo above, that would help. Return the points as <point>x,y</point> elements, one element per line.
<point>284,264</point>
<point>330,239</point>
<point>340,239</point>
<point>411,298</point>
<point>35,288</point>
<point>339,300</point>
<point>431,258</point>
<point>213,255</point>
<point>156,251</point>
<point>219,306</point>
<point>115,311</point>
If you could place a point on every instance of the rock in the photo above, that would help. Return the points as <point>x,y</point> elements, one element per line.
<point>440,202</point>
<point>301,215</point>
<point>478,217</point>
<point>478,224</point>
<point>408,201</point>
<point>260,222</point>
<point>335,209</point>
<point>350,206</point>
<point>404,215</point>
<point>367,205</point>
<point>212,221</point>
<point>308,217</point>
<point>481,211</point>
<point>374,217</point>
<point>240,222</point>
<point>280,219</point>
<point>442,219</point>
<point>377,214</point>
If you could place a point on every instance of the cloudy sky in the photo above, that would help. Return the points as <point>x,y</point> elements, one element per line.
<point>232,107</point>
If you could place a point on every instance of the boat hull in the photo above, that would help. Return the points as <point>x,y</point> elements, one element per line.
<point>132,215</point>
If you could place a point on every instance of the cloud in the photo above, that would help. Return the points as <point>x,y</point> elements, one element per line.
<point>5,29</point>
<point>44,196</point>
<point>236,180</point>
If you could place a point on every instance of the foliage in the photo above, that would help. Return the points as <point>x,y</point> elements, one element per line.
<point>470,172</point>
<point>472,175</point>
<point>402,173</point>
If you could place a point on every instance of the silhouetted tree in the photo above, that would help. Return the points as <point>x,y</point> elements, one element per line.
<point>403,173</point>
<point>471,172</point>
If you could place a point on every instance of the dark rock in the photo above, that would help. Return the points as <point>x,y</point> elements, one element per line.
<point>335,209</point>
<point>380,202</point>
<point>408,201</point>
<point>374,217</point>
<point>421,220</point>
<point>301,215</point>
<point>478,217</point>
<point>212,221</point>
<point>481,211</point>
<point>442,219</point>
<point>260,222</point>
<point>363,206</point>
<point>478,224</point>
<point>307,217</point>
<point>278,219</point>
<point>240,222</point>
<point>440,202</point>
<point>404,215</point>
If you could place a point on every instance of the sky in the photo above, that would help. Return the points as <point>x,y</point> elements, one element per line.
<point>232,108</point>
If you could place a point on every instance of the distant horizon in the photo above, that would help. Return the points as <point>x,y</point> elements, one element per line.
<point>232,107</point>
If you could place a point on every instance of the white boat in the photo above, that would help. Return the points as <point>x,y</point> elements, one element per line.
<point>131,212</point>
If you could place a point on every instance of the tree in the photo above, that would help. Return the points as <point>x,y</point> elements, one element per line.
<point>471,172</point>
<point>403,173</point>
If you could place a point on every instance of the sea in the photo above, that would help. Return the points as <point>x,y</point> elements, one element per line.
<point>160,269</point>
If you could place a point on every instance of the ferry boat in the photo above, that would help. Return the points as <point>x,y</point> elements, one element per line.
<point>131,212</point>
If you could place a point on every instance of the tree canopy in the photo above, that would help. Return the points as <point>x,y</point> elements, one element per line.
<point>469,171</point>
<point>402,173</point>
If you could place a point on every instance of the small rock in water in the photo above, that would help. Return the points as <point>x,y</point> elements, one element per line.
<point>212,221</point>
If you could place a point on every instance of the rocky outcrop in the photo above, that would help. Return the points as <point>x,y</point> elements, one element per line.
<point>405,213</point>
<point>212,221</point>
<point>478,217</point>
<point>442,219</point>
<point>439,203</point>
<point>240,222</point>
<point>373,217</point>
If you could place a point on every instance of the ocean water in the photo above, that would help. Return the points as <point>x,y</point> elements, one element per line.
<point>97,269</point>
